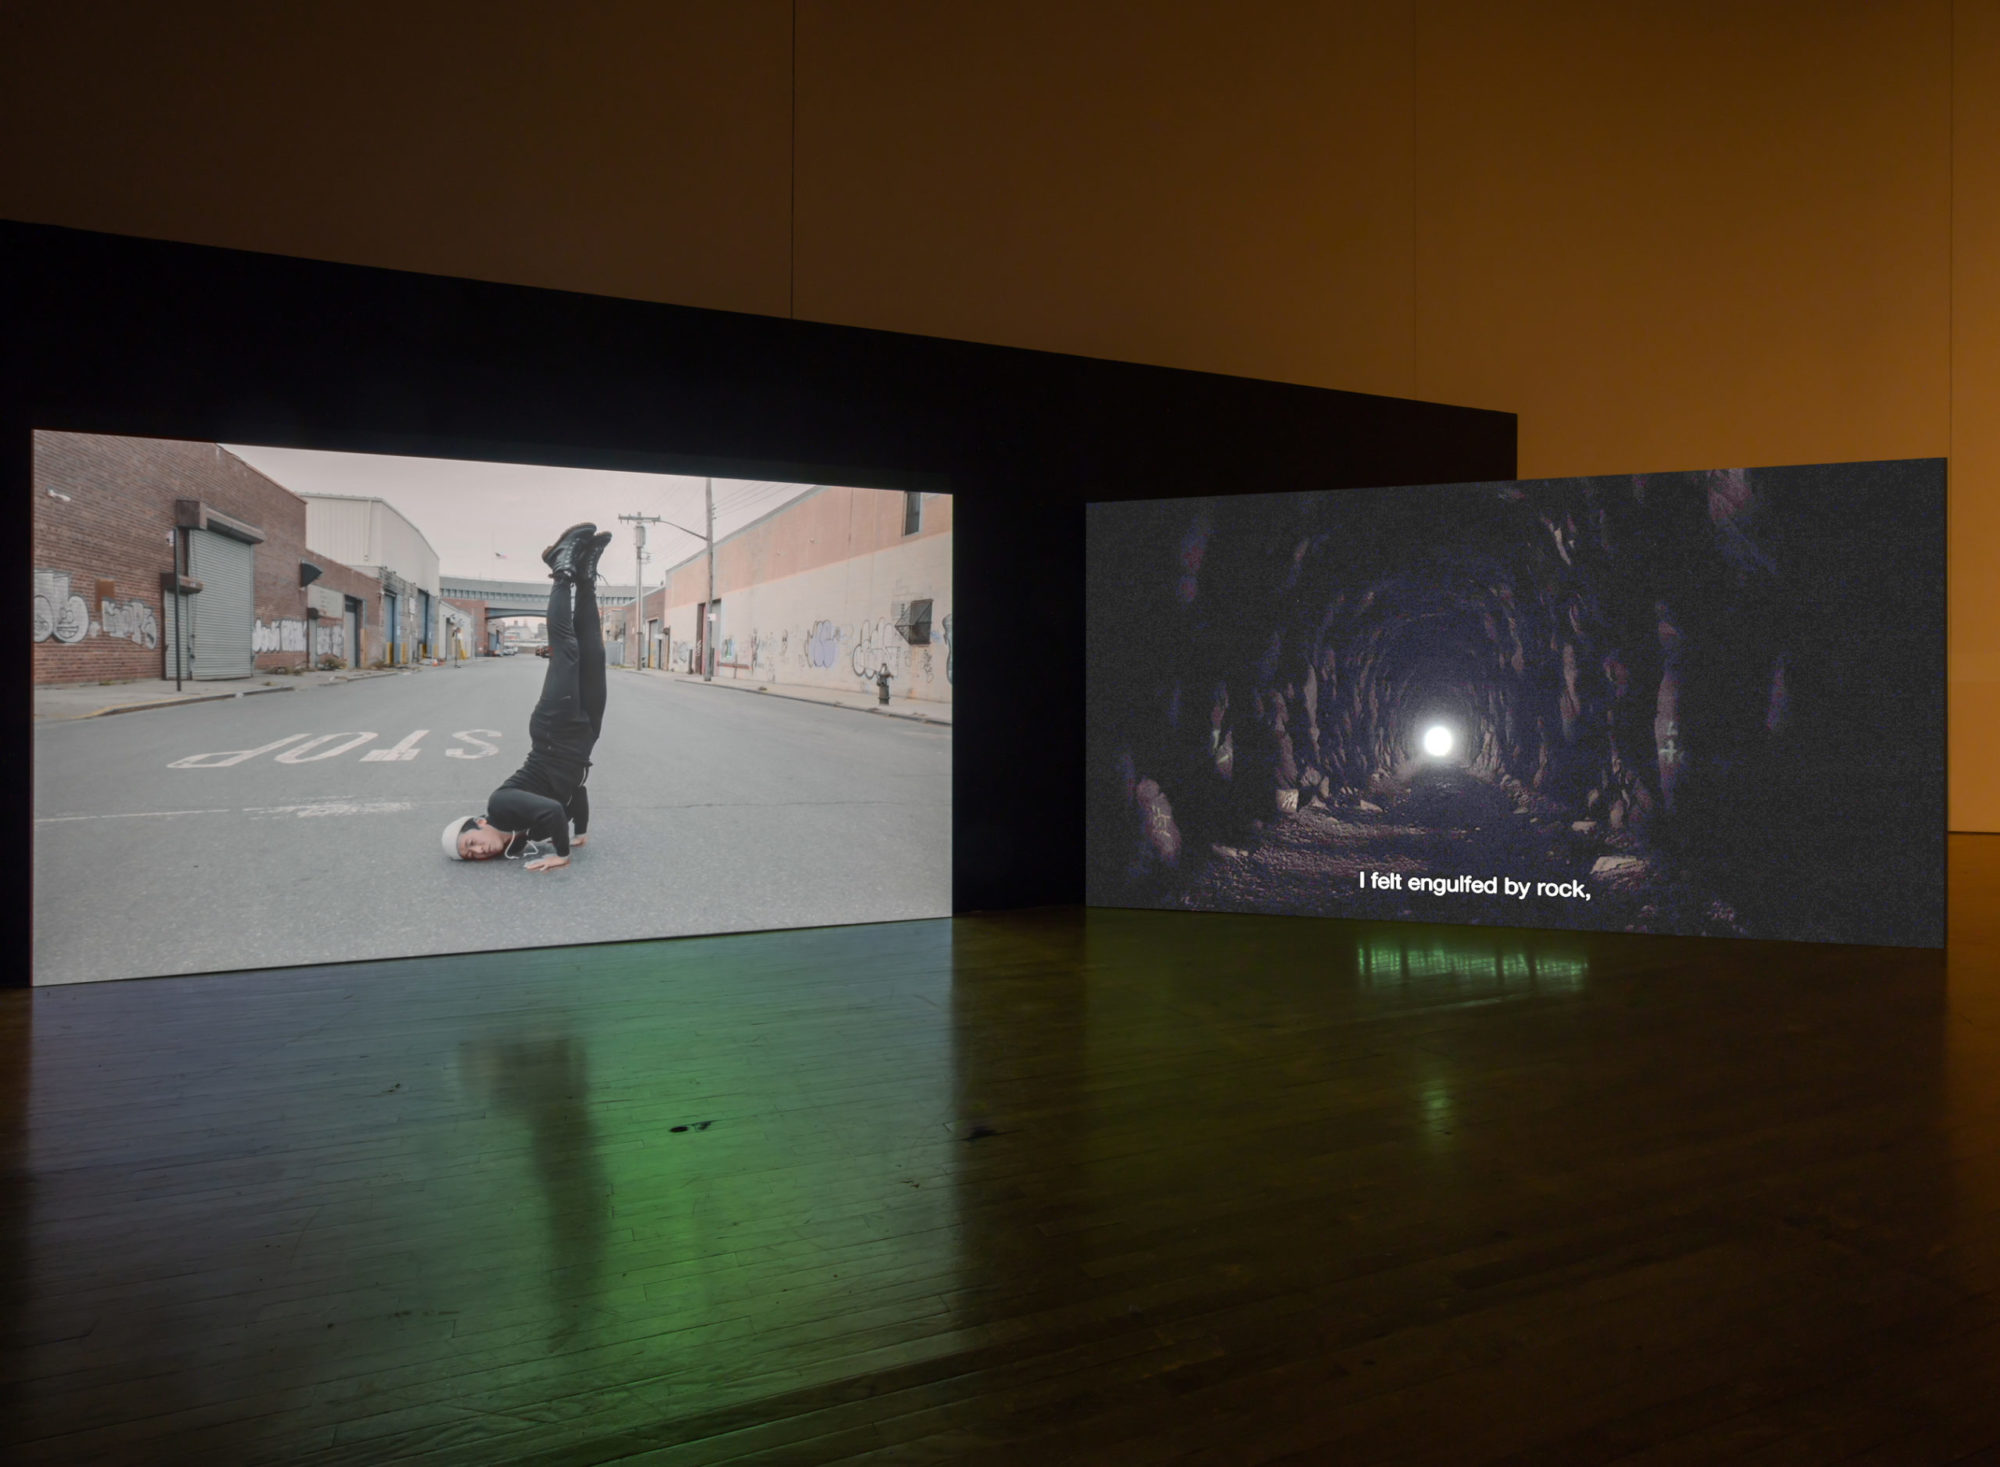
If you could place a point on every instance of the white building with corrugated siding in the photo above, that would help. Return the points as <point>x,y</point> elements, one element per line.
<point>372,535</point>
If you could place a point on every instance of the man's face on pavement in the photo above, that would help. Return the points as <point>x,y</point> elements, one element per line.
<point>482,842</point>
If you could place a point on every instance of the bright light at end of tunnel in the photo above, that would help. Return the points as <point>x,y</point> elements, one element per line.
<point>1437,741</point>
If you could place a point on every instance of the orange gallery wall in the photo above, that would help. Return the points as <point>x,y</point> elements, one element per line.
<point>1667,236</point>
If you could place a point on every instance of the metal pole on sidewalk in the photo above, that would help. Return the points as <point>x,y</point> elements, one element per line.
<point>636,616</point>
<point>180,607</point>
<point>638,594</point>
<point>708,640</point>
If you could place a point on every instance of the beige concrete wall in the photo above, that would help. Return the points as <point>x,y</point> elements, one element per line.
<point>827,524</point>
<point>1668,236</point>
<point>833,625</point>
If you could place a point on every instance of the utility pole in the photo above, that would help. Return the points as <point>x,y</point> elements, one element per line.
<point>638,616</point>
<point>634,619</point>
<point>640,521</point>
<point>709,612</point>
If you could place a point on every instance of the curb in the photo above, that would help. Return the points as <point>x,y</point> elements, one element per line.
<point>183,702</point>
<point>169,703</point>
<point>802,698</point>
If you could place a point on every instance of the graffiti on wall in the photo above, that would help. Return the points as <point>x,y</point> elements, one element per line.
<point>877,644</point>
<point>61,614</point>
<point>456,633</point>
<point>856,649</point>
<point>821,643</point>
<point>330,640</point>
<point>134,621</point>
<point>278,636</point>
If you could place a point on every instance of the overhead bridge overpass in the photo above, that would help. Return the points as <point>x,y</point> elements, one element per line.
<point>523,598</point>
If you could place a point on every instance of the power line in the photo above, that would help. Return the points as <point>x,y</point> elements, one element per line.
<point>765,494</point>
<point>729,502</point>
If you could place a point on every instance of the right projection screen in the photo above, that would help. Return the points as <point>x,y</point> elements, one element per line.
<point>1703,703</point>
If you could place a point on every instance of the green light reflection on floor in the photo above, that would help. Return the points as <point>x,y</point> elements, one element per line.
<point>1508,966</point>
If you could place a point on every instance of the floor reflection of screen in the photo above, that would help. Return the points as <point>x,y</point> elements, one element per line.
<point>301,707</point>
<point>1700,703</point>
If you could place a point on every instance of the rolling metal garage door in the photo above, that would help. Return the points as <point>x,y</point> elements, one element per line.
<point>224,610</point>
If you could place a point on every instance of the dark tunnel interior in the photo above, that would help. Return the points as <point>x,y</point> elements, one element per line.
<point>1712,701</point>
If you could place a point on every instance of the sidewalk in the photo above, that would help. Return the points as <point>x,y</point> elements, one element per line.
<point>65,701</point>
<point>913,709</point>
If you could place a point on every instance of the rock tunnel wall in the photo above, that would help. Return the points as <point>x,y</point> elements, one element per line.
<point>1711,671</point>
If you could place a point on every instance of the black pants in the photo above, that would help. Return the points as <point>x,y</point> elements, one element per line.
<point>570,713</point>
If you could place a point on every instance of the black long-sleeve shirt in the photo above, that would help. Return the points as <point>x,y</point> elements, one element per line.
<point>532,816</point>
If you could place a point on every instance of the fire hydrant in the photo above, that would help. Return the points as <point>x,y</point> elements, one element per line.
<point>882,686</point>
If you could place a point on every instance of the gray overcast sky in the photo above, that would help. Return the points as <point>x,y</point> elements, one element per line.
<point>491,520</point>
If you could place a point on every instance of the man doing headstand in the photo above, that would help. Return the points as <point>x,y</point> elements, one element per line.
<point>545,797</point>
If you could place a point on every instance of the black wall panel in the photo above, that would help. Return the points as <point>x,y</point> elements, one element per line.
<point>115,335</point>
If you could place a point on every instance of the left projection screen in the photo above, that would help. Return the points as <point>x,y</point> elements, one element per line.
<point>268,680</point>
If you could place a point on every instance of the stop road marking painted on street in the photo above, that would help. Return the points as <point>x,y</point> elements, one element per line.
<point>303,753</point>
<point>403,751</point>
<point>231,756</point>
<point>471,743</point>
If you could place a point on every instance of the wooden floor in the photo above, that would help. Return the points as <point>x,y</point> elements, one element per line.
<point>1055,1187</point>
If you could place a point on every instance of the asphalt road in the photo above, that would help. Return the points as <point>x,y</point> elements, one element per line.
<point>712,810</point>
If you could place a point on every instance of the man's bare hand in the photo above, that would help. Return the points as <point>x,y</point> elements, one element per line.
<point>548,863</point>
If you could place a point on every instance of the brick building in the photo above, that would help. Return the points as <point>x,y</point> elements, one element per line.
<point>351,620</point>
<point>472,614</point>
<point>116,518</point>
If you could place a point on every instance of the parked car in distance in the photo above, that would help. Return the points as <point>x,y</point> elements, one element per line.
<point>541,651</point>
<point>510,650</point>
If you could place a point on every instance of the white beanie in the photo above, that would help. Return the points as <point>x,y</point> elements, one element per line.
<point>452,831</point>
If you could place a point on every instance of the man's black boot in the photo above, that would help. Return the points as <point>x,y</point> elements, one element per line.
<point>561,557</point>
<point>587,557</point>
